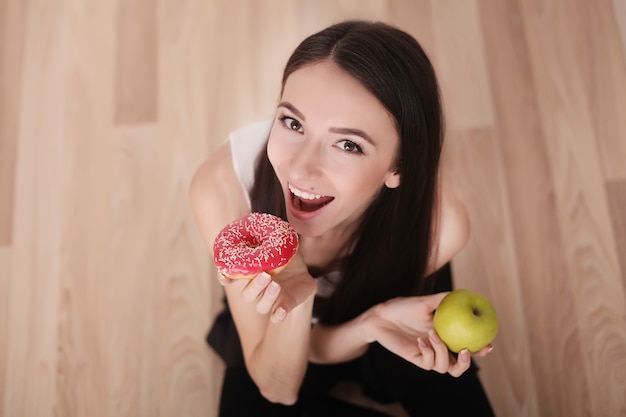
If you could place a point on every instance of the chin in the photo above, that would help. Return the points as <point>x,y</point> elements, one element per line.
<point>303,227</point>
<point>314,226</point>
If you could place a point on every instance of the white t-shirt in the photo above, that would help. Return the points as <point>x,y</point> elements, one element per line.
<point>245,144</point>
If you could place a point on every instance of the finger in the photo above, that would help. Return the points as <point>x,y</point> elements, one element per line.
<point>461,365</point>
<point>433,300</point>
<point>427,360</point>
<point>442,355</point>
<point>398,343</point>
<point>279,315</point>
<point>484,351</point>
<point>282,307</point>
<point>267,300</point>
<point>224,281</point>
<point>255,287</point>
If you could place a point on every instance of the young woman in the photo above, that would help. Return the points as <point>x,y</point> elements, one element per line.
<point>351,160</point>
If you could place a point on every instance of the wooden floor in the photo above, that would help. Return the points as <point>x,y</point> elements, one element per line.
<point>107,108</point>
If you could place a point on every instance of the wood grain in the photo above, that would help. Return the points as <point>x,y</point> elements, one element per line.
<point>5,290</point>
<point>136,63</point>
<point>619,13</point>
<point>582,212</point>
<point>35,286</point>
<point>488,264</point>
<point>466,94</point>
<point>107,290</point>
<point>601,57</point>
<point>533,213</point>
<point>11,49</point>
<point>616,192</point>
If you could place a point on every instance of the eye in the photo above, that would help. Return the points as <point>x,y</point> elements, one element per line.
<point>349,146</point>
<point>291,123</point>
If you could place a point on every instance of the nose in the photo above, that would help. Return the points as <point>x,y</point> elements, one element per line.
<point>306,161</point>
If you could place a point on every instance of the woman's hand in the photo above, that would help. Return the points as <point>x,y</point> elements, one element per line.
<point>405,327</point>
<point>276,295</point>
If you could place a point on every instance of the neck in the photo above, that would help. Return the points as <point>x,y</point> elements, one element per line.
<point>322,251</point>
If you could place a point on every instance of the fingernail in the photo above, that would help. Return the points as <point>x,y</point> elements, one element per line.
<point>422,342</point>
<point>273,288</point>
<point>263,278</point>
<point>464,355</point>
<point>490,349</point>
<point>433,336</point>
<point>279,314</point>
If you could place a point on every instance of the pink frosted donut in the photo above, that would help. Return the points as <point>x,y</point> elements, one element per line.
<point>253,244</point>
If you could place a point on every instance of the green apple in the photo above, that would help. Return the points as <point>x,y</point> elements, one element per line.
<point>465,320</point>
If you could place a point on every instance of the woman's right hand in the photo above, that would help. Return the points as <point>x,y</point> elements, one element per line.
<point>276,295</point>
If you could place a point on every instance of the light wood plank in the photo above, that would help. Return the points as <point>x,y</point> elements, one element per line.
<point>619,12</point>
<point>489,266</point>
<point>416,18</point>
<point>33,312</point>
<point>616,193</point>
<point>581,202</point>
<point>466,93</point>
<point>543,274</point>
<point>136,98</point>
<point>12,19</point>
<point>194,371</point>
<point>604,63</point>
<point>84,332</point>
<point>6,275</point>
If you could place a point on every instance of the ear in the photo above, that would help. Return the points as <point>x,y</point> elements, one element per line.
<point>393,179</point>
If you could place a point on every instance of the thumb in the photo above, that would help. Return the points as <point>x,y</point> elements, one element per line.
<point>283,306</point>
<point>433,300</point>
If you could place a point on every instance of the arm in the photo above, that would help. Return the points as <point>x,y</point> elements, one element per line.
<point>403,326</point>
<point>339,343</point>
<point>452,228</point>
<point>275,350</point>
<point>408,317</point>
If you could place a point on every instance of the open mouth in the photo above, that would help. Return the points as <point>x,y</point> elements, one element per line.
<point>305,201</point>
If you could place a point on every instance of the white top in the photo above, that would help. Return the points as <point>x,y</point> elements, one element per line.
<point>245,145</point>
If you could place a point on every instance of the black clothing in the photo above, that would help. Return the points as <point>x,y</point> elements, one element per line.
<point>384,377</point>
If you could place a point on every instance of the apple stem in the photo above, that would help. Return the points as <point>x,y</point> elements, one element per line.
<point>476,311</point>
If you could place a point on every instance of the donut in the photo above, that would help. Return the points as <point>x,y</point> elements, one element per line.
<point>255,243</point>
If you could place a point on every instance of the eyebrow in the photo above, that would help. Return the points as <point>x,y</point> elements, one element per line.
<point>354,132</point>
<point>293,109</point>
<point>339,130</point>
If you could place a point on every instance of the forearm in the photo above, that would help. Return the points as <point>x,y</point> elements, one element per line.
<point>340,343</point>
<point>278,363</point>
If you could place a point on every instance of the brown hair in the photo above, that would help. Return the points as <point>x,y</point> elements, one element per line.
<point>392,244</point>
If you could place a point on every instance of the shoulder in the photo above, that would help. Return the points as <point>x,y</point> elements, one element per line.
<point>212,173</point>
<point>215,194</point>
<point>452,228</point>
<point>218,189</point>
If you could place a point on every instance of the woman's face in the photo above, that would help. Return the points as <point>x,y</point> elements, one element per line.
<point>332,146</point>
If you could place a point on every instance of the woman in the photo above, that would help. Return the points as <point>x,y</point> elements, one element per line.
<point>351,160</point>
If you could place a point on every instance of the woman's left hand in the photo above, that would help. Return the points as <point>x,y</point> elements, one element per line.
<point>405,327</point>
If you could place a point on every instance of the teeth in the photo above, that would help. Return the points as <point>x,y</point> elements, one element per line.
<point>303,194</point>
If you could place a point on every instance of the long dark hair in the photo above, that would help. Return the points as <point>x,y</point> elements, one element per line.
<point>392,246</point>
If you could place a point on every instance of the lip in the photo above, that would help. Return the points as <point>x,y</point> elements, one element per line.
<point>296,212</point>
